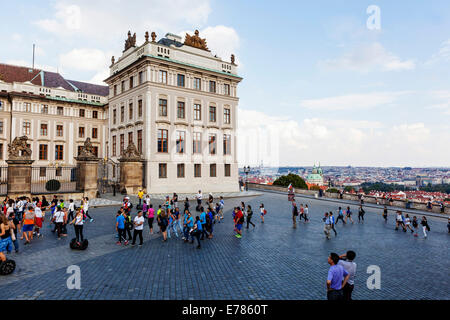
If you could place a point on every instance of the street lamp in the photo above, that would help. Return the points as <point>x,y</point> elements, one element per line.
<point>246,171</point>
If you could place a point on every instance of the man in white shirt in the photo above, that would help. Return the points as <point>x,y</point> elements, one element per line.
<point>350,267</point>
<point>59,219</point>
<point>199,199</point>
<point>138,227</point>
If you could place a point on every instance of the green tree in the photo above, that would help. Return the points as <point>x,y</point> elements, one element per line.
<point>296,180</point>
<point>348,189</point>
<point>333,190</point>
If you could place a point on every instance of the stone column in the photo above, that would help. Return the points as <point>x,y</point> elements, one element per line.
<point>19,168</point>
<point>130,176</point>
<point>87,164</point>
<point>131,165</point>
<point>87,177</point>
<point>19,178</point>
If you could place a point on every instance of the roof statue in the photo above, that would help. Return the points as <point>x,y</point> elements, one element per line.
<point>232,59</point>
<point>113,60</point>
<point>19,149</point>
<point>87,150</point>
<point>130,42</point>
<point>195,41</point>
<point>131,153</point>
<point>146,36</point>
<point>153,36</point>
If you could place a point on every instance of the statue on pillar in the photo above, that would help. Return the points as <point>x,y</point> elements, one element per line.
<point>146,36</point>
<point>131,153</point>
<point>130,41</point>
<point>87,150</point>
<point>113,60</point>
<point>153,36</point>
<point>19,149</point>
<point>232,59</point>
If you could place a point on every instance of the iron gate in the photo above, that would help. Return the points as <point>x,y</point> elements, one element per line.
<point>108,176</point>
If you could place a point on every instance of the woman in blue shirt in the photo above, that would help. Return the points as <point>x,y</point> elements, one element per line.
<point>197,230</point>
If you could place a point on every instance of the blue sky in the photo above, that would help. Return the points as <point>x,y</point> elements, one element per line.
<point>317,81</point>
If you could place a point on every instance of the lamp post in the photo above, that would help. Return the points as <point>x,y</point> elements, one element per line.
<point>246,171</point>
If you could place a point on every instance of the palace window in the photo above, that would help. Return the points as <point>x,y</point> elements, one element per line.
<point>139,141</point>
<point>180,170</point>
<point>212,170</point>
<point>226,88</point>
<point>43,152</point>
<point>162,140</point>
<point>141,77</point>
<point>114,116</point>
<point>197,143</point>
<point>114,146</point>
<point>59,130</point>
<point>163,76</point>
<point>227,170</point>
<point>180,80</point>
<point>1,151</point>
<point>212,86</point>
<point>27,107</point>
<point>212,144</point>
<point>122,114</point>
<point>123,86</point>
<point>139,108</point>
<point>226,144</point>
<point>131,82</point>
<point>44,130</point>
<point>94,133</point>
<point>81,113</point>
<point>197,84</point>
<point>130,110</point>
<point>115,90</point>
<point>163,170</point>
<point>59,152</point>
<point>26,128</point>
<point>122,143</point>
<point>181,138</point>
<point>80,132</point>
<point>162,107</point>
<point>44,109</point>
<point>180,110</point>
<point>212,114</point>
<point>197,170</point>
<point>197,112</point>
<point>95,114</point>
<point>130,137</point>
<point>1,127</point>
<point>60,111</point>
<point>226,116</point>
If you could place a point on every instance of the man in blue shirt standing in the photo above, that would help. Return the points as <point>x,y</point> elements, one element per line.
<point>337,278</point>
<point>203,222</point>
<point>188,225</point>
<point>120,227</point>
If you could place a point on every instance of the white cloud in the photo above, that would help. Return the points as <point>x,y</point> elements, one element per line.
<point>105,19</point>
<point>337,142</point>
<point>85,59</point>
<point>369,57</point>
<point>24,63</point>
<point>16,37</point>
<point>352,101</point>
<point>442,98</point>
<point>443,55</point>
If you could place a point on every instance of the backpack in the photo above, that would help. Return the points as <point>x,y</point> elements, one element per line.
<point>265,211</point>
<point>241,220</point>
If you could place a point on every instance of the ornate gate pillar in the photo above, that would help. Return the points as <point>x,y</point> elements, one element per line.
<point>87,164</point>
<point>19,168</point>
<point>131,165</point>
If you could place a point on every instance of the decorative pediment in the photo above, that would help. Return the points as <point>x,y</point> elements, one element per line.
<point>195,41</point>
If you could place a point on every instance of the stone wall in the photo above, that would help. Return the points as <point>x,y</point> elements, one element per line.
<point>353,197</point>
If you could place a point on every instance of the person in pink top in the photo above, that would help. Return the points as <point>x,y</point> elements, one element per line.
<point>151,217</point>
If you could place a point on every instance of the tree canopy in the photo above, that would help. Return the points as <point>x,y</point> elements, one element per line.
<point>296,180</point>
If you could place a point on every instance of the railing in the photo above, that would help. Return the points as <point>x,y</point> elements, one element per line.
<point>54,179</point>
<point>3,180</point>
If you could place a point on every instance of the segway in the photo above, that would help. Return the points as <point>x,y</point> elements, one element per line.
<point>82,246</point>
<point>7,267</point>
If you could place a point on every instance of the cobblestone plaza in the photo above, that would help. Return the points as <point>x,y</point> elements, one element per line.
<point>272,261</point>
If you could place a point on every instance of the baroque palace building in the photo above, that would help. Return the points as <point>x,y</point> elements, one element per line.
<point>177,103</point>
<point>56,114</point>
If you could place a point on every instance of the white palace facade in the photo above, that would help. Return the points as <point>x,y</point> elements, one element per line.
<point>178,104</point>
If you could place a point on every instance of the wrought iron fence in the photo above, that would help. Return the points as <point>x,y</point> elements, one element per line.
<point>54,179</point>
<point>3,180</point>
<point>108,176</point>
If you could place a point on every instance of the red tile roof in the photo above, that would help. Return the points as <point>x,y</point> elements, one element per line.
<point>10,73</point>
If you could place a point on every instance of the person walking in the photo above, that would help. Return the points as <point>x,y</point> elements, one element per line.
<point>128,224</point>
<point>188,225</point>
<point>262,211</point>
<point>197,230</point>
<point>385,214</point>
<point>199,197</point>
<point>86,209</point>
<point>306,213</point>
<point>6,228</point>
<point>222,205</point>
<point>140,198</point>
<point>163,223</point>
<point>29,220</point>
<point>138,228</point>
<point>425,226</point>
<point>361,213</point>
<point>15,221</point>
<point>408,223</point>
<point>349,215</point>
<point>327,226</point>
<point>294,214</point>
<point>203,222</point>
<point>78,222</point>
<point>59,220</point>
<point>209,223</point>
<point>346,261</point>
<point>71,210</point>
<point>332,223</point>
<point>340,216</point>
<point>151,217</point>
<point>39,220</point>
<point>415,224</point>
<point>249,216</point>
<point>337,278</point>
<point>238,222</point>
<point>399,221</point>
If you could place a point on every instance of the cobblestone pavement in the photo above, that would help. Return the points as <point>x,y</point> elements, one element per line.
<point>272,261</point>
